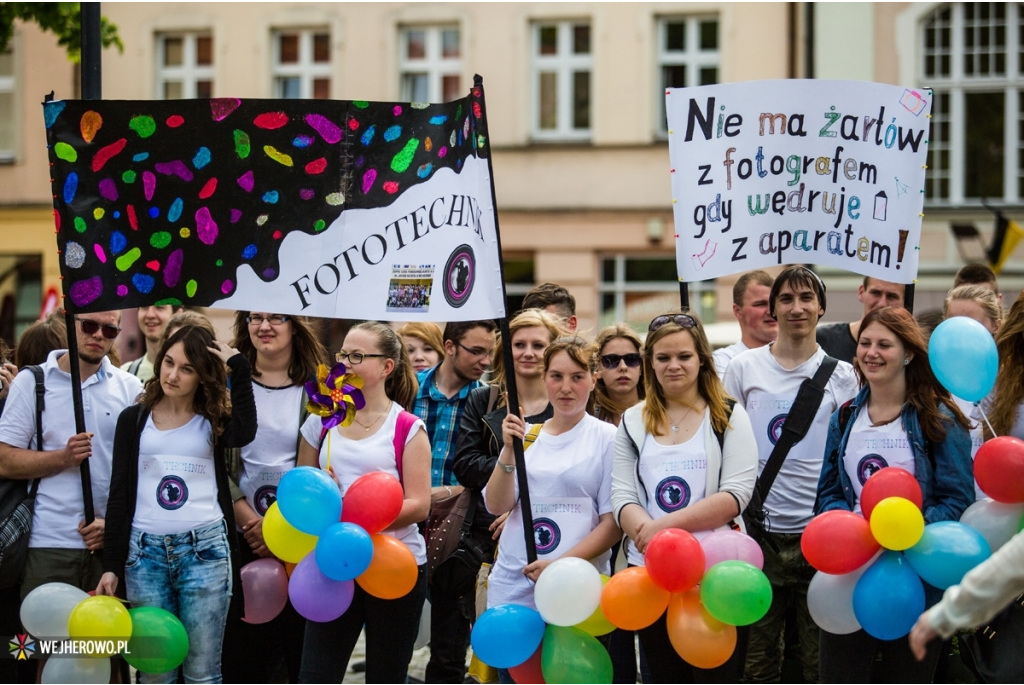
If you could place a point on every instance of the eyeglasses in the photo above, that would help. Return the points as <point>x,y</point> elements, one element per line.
<point>273,319</point>
<point>355,358</point>
<point>89,327</point>
<point>475,351</point>
<point>681,320</point>
<point>611,361</point>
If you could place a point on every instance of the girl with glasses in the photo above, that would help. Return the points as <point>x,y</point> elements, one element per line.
<point>619,380</point>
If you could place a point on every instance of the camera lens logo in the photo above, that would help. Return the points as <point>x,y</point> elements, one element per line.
<point>264,498</point>
<point>459,276</point>
<point>775,427</point>
<point>672,494</point>
<point>171,493</point>
<point>546,534</point>
<point>869,466</point>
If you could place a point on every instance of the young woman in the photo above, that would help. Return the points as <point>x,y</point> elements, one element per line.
<point>620,380</point>
<point>901,417</point>
<point>374,352</point>
<point>423,343</point>
<point>1006,409</point>
<point>170,524</point>
<point>673,471</point>
<point>187,317</point>
<point>284,352</point>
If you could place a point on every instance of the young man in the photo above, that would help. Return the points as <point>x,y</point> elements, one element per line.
<point>839,340</point>
<point>978,274</point>
<point>765,381</point>
<point>553,299</point>
<point>152,322</point>
<point>750,307</point>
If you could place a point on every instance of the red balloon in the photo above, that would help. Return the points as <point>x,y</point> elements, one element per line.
<point>674,560</point>
<point>373,501</point>
<point>999,469</point>
<point>529,671</point>
<point>891,481</point>
<point>838,542</point>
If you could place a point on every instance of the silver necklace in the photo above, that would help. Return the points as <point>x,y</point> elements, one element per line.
<point>675,426</point>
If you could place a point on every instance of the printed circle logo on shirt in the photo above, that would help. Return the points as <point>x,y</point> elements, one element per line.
<point>672,494</point>
<point>264,498</point>
<point>459,276</point>
<point>546,534</point>
<point>869,466</point>
<point>171,492</point>
<point>775,427</point>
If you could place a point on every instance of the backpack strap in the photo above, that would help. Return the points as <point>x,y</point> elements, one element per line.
<point>845,412</point>
<point>531,435</point>
<point>134,367</point>
<point>37,371</point>
<point>403,424</point>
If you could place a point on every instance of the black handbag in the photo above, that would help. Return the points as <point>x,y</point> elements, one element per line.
<point>994,652</point>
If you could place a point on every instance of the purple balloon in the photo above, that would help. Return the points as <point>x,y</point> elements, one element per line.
<point>265,589</point>
<point>315,596</point>
<point>731,545</point>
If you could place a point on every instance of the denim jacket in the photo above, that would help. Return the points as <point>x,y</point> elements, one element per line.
<point>943,469</point>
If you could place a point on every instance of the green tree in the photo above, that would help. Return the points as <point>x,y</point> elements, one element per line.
<point>60,18</point>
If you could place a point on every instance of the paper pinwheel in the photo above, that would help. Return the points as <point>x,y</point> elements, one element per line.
<point>335,395</point>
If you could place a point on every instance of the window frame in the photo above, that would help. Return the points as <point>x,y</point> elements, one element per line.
<point>619,287</point>
<point>693,58</point>
<point>434,64</point>
<point>9,84</point>
<point>563,63</point>
<point>189,73</point>
<point>306,70</point>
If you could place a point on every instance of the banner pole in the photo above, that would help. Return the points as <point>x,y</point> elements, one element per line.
<point>908,297</point>
<point>506,353</point>
<point>684,295</point>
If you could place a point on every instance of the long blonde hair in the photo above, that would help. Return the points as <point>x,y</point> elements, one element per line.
<point>614,332</point>
<point>529,318</point>
<point>1009,388</point>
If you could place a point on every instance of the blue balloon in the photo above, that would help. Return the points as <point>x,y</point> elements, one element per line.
<point>964,358</point>
<point>946,552</point>
<point>888,598</point>
<point>309,499</point>
<point>344,551</point>
<point>507,635</point>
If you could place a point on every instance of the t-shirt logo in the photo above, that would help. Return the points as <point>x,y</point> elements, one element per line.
<point>775,427</point>
<point>546,535</point>
<point>264,498</point>
<point>672,494</point>
<point>171,493</point>
<point>869,466</point>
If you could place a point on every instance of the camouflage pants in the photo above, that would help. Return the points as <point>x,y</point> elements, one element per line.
<point>790,574</point>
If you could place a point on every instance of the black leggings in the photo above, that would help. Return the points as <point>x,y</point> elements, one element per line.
<point>850,658</point>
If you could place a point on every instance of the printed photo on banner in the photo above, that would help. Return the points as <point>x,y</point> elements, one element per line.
<point>798,172</point>
<point>409,290</point>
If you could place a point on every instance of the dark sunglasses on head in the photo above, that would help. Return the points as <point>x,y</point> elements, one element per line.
<point>681,320</point>
<point>611,361</point>
<point>89,327</point>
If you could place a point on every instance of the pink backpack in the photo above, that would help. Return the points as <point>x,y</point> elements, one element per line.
<point>403,425</point>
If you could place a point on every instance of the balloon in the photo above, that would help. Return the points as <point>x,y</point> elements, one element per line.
<point>265,590</point>
<point>997,522</point>
<point>731,545</point>
<point>76,670</point>
<point>423,636</point>
<point>897,523</point>
<point>530,670</point>
<point>102,618</point>
<point>344,551</point>
<point>284,540</point>
<point>674,560</point>
<point>697,636</point>
<point>890,481</point>
<point>946,552</point>
<point>830,601</point>
<point>999,469</point>
<point>309,499</point>
<point>45,611</point>
<point>393,572</point>
<point>159,642</point>
<point>568,591</point>
<point>736,593</point>
<point>568,655</point>
<point>596,624</point>
<point>315,596</point>
<point>632,601</point>
<point>289,567</point>
<point>963,355</point>
<point>889,597</point>
<point>505,636</point>
<point>373,501</point>
<point>838,542</point>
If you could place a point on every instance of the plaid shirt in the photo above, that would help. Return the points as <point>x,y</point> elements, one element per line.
<point>442,416</point>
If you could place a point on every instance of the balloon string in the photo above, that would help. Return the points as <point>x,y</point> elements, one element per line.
<point>985,416</point>
<point>328,450</point>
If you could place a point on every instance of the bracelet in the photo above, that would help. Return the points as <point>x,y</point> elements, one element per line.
<point>507,468</point>
<point>449,490</point>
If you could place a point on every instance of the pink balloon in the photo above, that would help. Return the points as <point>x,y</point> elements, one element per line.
<point>265,589</point>
<point>731,545</point>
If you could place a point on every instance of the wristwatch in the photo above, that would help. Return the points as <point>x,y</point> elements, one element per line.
<point>508,468</point>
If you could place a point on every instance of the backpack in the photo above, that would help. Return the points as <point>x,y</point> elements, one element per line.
<point>403,424</point>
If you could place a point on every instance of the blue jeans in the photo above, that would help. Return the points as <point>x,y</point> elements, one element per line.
<point>189,575</point>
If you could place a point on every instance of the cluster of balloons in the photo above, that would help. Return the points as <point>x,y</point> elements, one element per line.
<point>157,642</point>
<point>708,588</point>
<point>327,548</point>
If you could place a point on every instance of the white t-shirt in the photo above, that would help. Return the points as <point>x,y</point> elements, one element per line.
<point>145,370</point>
<point>871,448</point>
<point>353,458</point>
<point>767,391</point>
<point>570,479</point>
<point>976,432</point>
<point>59,506</point>
<point>177,489</point>
<point>272,454</point>
<point>724,356</point>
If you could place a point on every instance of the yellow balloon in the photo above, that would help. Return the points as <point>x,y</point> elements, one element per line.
<point>102,620</point>
<point>285,541</point>
<point>897,523</point>
<point>597,624</point>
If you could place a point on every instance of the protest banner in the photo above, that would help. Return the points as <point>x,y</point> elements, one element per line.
<point>798,172</point>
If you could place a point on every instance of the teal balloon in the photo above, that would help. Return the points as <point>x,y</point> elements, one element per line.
<point>159,642</point>
<point>309,499</point>
<point>946,552</point>
<point>344,551</point>
<point>889,597</point>
<point>507,635</point>
<point>736,593</point>
<point>963,356</point>
<point>569,655</point>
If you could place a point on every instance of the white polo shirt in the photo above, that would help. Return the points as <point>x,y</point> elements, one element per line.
<point>59,504</point>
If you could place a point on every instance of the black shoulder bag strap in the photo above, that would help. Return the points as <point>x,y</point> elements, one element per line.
<point>37,371</point>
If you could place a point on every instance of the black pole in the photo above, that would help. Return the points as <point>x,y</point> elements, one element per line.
<point>684,295</point>
<point>506,355</point>
<point>809,41</point>
<point>908,297</point>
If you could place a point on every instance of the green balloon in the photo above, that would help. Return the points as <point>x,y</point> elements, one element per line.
<point>736,593</point>
<point>159,642</point>
<point>569,655</point>
<point>1020,526</point>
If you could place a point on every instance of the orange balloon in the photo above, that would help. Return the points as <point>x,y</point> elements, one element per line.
<point>632,601</point>
<point>699,638</point>
<point>289,567</point>
<point>392,572</point>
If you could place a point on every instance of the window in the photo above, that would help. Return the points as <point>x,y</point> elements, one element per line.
<point>8,107</point>
<point>520,276</point>
<point>687,56</point>
<point>634,290</point>
<point>184,66</point>
<point>430,63</point>
<point>302,64</point>
<point>561,80</point>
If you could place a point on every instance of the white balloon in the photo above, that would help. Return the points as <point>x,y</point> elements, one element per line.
<point>77,670</point>
<point>568,591</point>
<point>423,637</point>
<point>997,522</point>
<point>46,610</point>
<point>830,601</point>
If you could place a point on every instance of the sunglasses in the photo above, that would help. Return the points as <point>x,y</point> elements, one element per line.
<point>89,327</point>
<point>611,361</point>
<point>681,320</point>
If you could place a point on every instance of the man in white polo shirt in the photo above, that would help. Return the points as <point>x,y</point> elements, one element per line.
<point>61,547</point>
<point>750,307</point>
